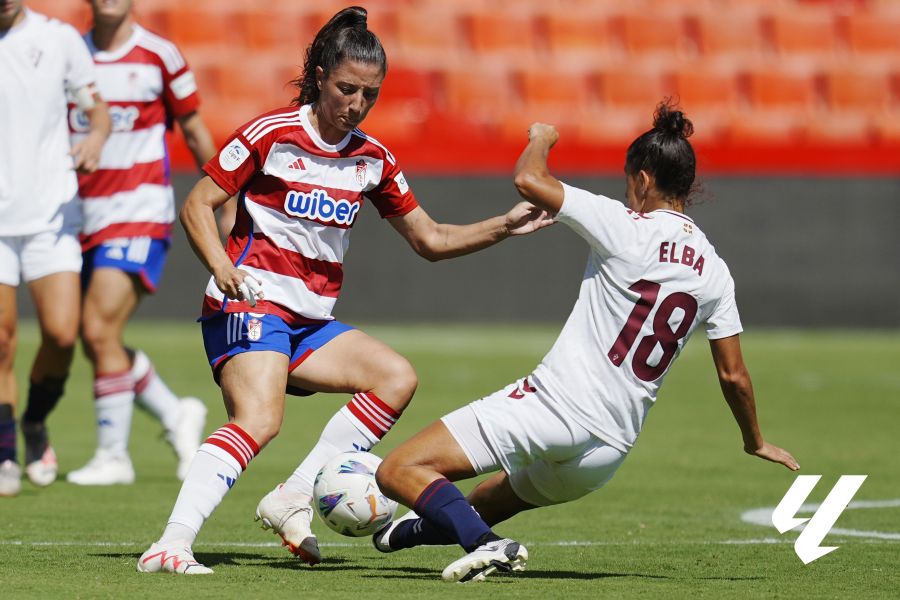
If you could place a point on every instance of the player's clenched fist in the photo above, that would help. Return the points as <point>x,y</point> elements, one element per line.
<point>239,285</point>
<point>543,131</point>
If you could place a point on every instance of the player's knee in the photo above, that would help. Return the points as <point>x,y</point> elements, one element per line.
<point>7,346</point>
<point>61,337</point>
<point>400,381</point>
<point>263,429</point>
<point>386,475</point>
<point>95,337</point>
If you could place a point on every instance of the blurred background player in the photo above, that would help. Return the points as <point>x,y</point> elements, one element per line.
<point>41,60</point>
<point>652,277</point>
<point>302,173</point>
<point>129,208</point>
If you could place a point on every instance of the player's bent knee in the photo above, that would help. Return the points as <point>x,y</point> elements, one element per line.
<point>399,381</point>
<point>63,339</point>
<point>386,475</point>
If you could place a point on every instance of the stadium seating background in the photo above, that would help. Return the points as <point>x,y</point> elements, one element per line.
<point>775,86</point>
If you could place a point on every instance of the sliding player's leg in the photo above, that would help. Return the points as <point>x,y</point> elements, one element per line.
<point>337,359</point>
<point>418,474</point>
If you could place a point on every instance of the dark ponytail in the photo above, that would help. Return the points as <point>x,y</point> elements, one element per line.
<point>344,37</point>
<point>665,153</point>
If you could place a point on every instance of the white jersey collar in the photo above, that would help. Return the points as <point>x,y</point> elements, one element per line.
<point>111,56</point>
<point>314,135</point>
<point>674,214</point>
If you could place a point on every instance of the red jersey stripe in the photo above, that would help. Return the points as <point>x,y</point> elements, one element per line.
<point>156,231</point>
<point>106,182</point>
<point>320,277</point>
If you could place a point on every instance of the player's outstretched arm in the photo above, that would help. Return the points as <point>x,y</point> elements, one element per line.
<point>437,241</point>
<point>738,391</point>
<point>199,221</point>
<point>532,177</point>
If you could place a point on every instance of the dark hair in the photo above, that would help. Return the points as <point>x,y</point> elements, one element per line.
<point>665,152</point>
<point>344,37</point>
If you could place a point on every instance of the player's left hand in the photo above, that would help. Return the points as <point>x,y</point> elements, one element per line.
<point>525,218</point>
<point>775,454</point>
<point>86,153</point>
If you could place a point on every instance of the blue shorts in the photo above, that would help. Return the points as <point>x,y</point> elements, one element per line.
<point>229,334</point>
<point>142,256</point>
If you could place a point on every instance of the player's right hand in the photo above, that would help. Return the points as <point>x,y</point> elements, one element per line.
<point>775,454</point>
<point>543,131</point>
<point>239,285</point>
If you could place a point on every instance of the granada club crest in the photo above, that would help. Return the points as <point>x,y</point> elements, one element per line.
<point>254,329</point>
<point>361,173</point>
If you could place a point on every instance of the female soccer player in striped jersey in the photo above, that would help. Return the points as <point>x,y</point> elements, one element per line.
<point>128,207</point>
<point>652,277</point>
<point>302,174</point>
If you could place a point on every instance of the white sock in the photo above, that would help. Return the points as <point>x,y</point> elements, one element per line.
<point>215,469</point>
<point>357,426</point>
<point>152,393</point>
<point>114,405</point>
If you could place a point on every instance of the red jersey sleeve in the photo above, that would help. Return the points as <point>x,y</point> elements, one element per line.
<point>180,89</point>
<point>235,164</point>
<point>392,197</point>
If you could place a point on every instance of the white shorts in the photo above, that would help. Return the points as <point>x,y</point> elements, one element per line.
<point>31,257</point>
<point>548,456</point>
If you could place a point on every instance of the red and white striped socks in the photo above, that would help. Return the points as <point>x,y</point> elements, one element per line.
<point>357,426</point>
<point>152,393</point>
<point>114,405</point>
<point>215,469</point>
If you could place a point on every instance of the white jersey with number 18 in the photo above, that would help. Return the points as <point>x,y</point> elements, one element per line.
<point>650,280</point>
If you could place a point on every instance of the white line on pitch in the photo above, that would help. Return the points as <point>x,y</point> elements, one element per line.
<point>559,543</point>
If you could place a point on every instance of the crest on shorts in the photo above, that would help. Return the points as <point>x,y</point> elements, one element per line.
<point>361,172</point>
<point>254,329</point>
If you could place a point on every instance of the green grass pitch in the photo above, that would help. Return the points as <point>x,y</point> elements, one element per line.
<point>667,526</point>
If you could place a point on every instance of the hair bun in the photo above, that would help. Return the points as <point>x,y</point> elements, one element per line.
<point>668,120</point>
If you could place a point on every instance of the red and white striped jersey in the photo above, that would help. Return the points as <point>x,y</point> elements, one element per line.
<point>147,84</point>
<point>299,197</point>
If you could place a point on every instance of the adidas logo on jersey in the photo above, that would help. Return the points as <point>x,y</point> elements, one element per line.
<point>317,205</point>
<point>297,165</point>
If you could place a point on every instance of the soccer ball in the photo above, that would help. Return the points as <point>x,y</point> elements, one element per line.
<point>347,497</point>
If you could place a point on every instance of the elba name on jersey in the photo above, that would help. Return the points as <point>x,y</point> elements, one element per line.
<point>317,205</point>
<point>669,253</point>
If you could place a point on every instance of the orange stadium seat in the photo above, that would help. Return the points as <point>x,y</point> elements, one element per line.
<point>838,128</point>
<point>510,36</point>
<point>404,85</point>
<point>653,33</point>
<point>708,95</point>
<point>579,37</point>
<point>273,28</point>
<point>804,32</point>
<point>550,89</point>
<point>705,87</point>
<point>217,30</point>
<point>764,127</point>
<point>481,95</point>
<point>726,35</point>
<point>428,39</point>
<point>875,33</point>
<point>855,88</point>
<point>628,86</point>
<point>781,89</point>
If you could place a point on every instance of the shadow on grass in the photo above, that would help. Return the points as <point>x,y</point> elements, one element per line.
<point>420,573</point>
<point>214,559</point>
